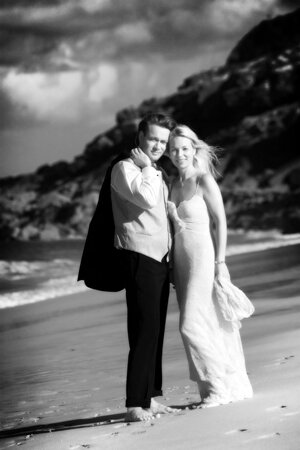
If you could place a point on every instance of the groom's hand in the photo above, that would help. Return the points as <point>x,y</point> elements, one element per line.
<point>140,158</point>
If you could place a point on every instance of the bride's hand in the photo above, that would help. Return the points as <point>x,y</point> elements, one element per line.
<point>140,158</point>
<point>221,271</point>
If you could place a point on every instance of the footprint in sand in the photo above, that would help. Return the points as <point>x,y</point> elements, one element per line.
<point>280,361</point>
<point>283,360</point>
<point>241,430</point>
<point>275,408</point>
<point>286,358</point>
<point>76,447</point>
<point>262,437</point>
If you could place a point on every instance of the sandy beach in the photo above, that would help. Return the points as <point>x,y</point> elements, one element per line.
<point>63,367</point>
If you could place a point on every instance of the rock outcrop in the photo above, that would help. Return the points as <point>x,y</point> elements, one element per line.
<point>250,108</point>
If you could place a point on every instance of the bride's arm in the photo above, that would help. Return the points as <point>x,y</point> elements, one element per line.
<point>213,199</point>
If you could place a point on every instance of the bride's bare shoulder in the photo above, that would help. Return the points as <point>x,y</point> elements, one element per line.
<point>205,183</point>
<point>204,179</point>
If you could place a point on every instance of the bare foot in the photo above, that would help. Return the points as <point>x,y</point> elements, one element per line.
<point>138,415</point>
<point>204,405</point>
<point>213,400</point>
<point>158,408</point>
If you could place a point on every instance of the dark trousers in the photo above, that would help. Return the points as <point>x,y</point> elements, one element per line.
<point>147,293</point>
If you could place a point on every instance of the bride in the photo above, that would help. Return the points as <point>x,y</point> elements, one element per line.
<point>212,344</point>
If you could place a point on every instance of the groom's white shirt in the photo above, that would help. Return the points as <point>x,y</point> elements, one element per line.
<point>139,202</point>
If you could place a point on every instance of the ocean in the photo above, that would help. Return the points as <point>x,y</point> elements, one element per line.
<point>31,272</point>
<point>35,271</point>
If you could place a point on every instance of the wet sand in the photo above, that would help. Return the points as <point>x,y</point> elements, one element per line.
<point>63,367</point>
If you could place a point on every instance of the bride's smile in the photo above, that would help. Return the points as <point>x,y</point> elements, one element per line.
<point>181,152</point>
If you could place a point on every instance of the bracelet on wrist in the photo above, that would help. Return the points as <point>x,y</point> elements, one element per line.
<point>219,262</point>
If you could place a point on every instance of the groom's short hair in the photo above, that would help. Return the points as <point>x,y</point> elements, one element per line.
<point>160,119</point>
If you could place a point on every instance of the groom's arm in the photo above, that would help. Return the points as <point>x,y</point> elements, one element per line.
<point>138,186</point>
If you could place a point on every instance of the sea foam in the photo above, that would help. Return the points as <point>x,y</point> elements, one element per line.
<point>51,289</point>
<point>276,240</point>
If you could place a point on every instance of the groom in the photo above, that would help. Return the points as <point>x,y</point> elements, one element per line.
<point>142,236</point>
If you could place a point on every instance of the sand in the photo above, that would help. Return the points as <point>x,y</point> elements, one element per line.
<point>63,367</point>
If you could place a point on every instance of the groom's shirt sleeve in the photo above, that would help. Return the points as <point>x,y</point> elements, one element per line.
<point>138,186</point>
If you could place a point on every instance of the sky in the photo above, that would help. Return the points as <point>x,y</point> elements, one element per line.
<point>68,66</point>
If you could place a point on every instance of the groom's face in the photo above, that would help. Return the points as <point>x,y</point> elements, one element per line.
<point>154,141</point>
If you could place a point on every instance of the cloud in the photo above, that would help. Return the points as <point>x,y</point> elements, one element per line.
<point>92,6</point>
<point>234,15</point>
<point>103,83</point>
<point>13,4</point>
<point>7,116</point>
<point>65,58</point>
<point>34,32</point>
<point>133,33</point>
<point>57,97</point>
<point>62,55</point>
<point>44,96</point>
<point>290,4</point>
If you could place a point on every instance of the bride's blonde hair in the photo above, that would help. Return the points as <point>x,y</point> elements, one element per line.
<point>205,158</point>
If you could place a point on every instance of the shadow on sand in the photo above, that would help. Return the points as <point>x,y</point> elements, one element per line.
<point>66,425</point>
<point>72,424</point>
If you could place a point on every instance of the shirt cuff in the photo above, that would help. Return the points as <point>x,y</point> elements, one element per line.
<point>148,170</point>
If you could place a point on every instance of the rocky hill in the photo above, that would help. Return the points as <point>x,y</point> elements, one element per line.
<point>250,107</point>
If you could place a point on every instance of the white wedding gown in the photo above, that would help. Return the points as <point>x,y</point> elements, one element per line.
<point>212,344</point>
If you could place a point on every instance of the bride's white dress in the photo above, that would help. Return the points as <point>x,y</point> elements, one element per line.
<point>212,344</point>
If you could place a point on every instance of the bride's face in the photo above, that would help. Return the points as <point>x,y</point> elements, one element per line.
<point>181,152</point>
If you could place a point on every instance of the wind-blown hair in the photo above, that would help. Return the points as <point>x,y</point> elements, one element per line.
<point>205,159</point>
